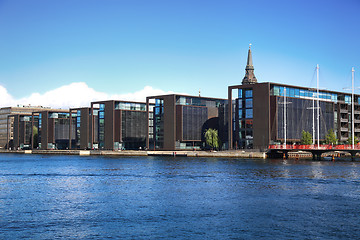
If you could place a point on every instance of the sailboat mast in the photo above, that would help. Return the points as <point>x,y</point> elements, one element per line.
<point>352,109</point>
<point>285,117</point>
<point>313,120</point>
<point>317,100</point>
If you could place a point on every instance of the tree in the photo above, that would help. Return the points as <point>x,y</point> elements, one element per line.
<point>35,137</point>
<point>330,138</point>
<point>306,138</point>
<point>356,140</point>
<point>212,138</point>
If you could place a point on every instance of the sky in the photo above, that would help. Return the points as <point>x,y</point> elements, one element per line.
<point>68,53</point>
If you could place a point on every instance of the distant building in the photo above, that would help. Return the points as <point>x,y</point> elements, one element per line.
<point>82,128</point>
<point>55,129</point>
<point>21,135</point>
<point>120,125</point>
<point>178,122</point>
<point>258,113</point>
<point>6,128</point>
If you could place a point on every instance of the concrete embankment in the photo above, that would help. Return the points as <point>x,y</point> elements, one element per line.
<point>222,154</point>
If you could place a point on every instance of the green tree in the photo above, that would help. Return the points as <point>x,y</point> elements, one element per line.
<point>306,138</point>
<point>35,136</point>
<point>212,138</point>
<point>356,140</point>
<point>330,138</point>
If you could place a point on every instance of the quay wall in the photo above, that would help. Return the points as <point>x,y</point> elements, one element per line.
<point>215,154</point>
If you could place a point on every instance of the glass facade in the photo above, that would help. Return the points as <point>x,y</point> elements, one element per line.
<point>300,115</point>
<point>303,93</point>
<point>243,120</point>
<point>195,101</point>
<point>130,106</point>
<point>101,126</point>
<point>133,129</point>
<point>335,112</point>
<point>159,123</point>
<point>193,121</point>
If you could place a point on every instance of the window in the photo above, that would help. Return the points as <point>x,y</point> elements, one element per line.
<point>291,92</point>
<point>249,113</point>
<point>248,93</point>
<point>240,102</point>
<point>281,91</point>
<point>249,103</point>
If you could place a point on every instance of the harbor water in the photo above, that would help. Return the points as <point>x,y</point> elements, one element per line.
<point>87,197</point>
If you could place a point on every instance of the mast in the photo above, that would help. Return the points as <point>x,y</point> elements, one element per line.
<point>317,101</point>
<point>352,108</point>
<point>313,119</point>
<point>285,117</point>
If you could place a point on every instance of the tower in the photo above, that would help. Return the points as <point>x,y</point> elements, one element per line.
<point>249,70</point>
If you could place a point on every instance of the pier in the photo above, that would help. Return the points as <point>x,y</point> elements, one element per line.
<point>283,150</point>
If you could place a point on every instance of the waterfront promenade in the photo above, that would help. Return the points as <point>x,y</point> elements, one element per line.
<point>227,154</point>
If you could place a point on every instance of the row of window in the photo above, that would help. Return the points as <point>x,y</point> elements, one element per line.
<point>58,115</point>
<point>247,93</point>
<point>130,106</point>
<point>303,93</point>
<point>182,100</point>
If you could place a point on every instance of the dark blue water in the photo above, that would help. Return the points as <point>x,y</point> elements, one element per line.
<point>71,197</point>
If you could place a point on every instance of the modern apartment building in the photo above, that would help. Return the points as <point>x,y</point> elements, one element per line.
<point>21,135</point>
<point>120,125</point>
<point>82,128</point>
<point>55,129</point>
<point>270,113</point>
<point>6,128</point>
<point>180,121</point>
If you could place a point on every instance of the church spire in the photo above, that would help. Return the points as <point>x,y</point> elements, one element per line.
<point>249,70</point>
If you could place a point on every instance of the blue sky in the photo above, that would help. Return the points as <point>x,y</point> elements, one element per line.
<point>118,47</point>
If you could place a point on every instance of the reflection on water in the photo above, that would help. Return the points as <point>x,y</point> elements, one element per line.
<point>71,197</point>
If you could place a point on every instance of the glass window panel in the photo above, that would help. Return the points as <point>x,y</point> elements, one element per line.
<point>291,92</point>
<point>248,93</point>
<point>276,90</point>
<point>281,91</point>
<point>249,113</point>
<point>249,103</point>
<point>249,123</point>
<point>157,110</point>
<point>302,93</point>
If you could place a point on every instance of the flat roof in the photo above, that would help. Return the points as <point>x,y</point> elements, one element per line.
<point>183,95</point>
<point>123,101</point>
<point>291,86</point>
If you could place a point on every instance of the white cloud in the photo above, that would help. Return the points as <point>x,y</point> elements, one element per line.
<point>77,94</point>
<point>5,98</point>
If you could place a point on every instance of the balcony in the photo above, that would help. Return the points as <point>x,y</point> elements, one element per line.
<point>345,120</point>
<point>344,129</point>
<point>344,111</point>
<point>343,139</point>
